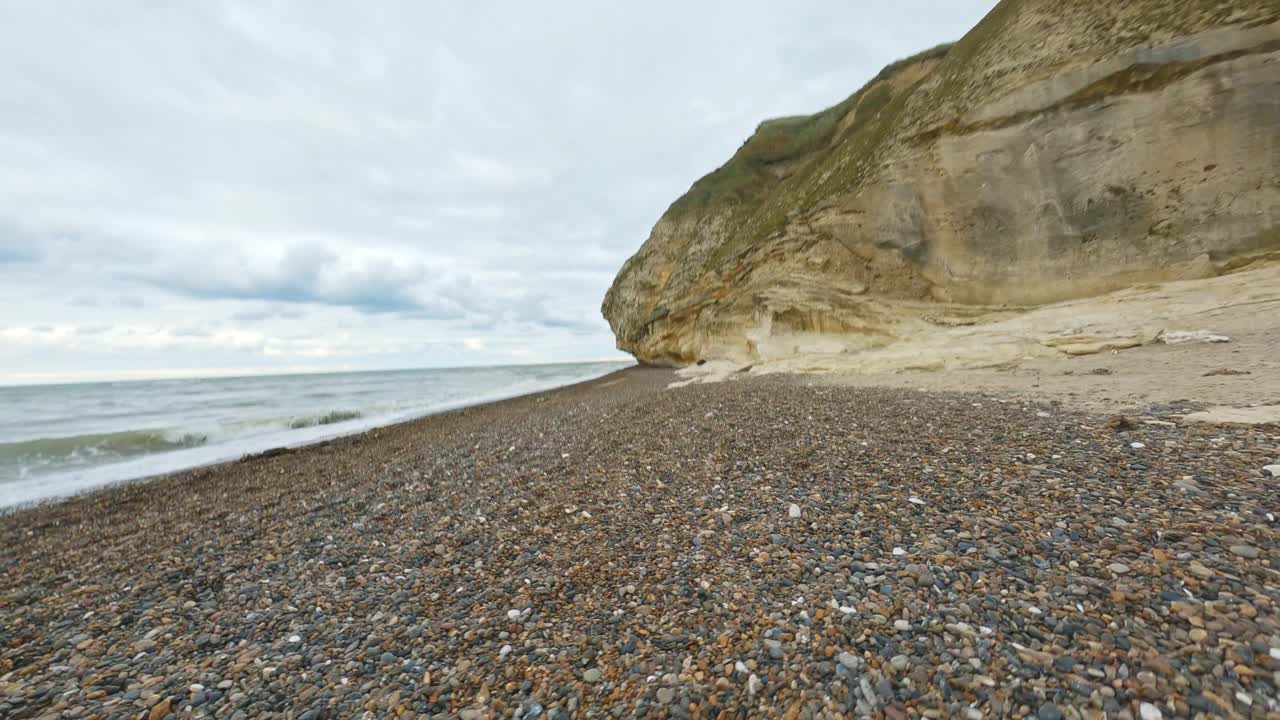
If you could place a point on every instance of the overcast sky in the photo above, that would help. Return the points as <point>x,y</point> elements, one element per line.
<point>208,187</point>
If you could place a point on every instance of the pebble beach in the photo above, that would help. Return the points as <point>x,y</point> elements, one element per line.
<point>761,547</point>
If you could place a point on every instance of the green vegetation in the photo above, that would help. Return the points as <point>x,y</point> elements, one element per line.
<point>936,52</point>
<point>787,163</point>
<point>791,164</point>
<point>778,145</point>
<point>779,149</point>
<point>761,160</point>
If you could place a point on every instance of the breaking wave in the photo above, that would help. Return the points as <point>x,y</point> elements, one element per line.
<point>328,418</point>
<point>62,452</point>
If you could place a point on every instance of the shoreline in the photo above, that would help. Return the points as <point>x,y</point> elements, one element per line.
<point>149,467</point>
<point>769,546</point>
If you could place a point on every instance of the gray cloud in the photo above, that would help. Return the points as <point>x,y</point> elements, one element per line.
<point>269,312</point>
<point>306,274</point>
<point>15,255</point>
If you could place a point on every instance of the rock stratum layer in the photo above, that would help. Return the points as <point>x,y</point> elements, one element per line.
<point>1059,150</point>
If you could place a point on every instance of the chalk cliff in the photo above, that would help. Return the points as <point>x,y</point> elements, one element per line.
<point>1061,149</point>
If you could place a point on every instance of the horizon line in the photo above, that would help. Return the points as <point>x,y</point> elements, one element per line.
<point>90,376</point>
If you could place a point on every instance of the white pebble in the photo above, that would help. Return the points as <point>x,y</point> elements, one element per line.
<point>915,500</point>
<point>899,551</point>
<point>1137,446</point>
<point>1149,711</point>
<point>793,511</point>
<point>753,684</point>
<point>505,651</point>
<point>295,639</point>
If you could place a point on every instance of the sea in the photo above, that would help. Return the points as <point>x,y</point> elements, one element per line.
<point>59,440</point>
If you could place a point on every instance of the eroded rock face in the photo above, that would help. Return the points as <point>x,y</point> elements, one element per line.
<point>1060,150</point>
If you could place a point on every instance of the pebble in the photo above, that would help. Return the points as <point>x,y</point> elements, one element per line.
<point>1147,711</point>
<point>1049,711</point>
<point>592,675</point>
<point>1271,470</point>
<point>1200,570</point>
<point>1118,568</point>
<point>793,511</point>
<point>1245,551</point>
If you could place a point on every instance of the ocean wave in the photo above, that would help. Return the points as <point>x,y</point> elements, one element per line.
<point>51,453</point>
<point>93,448</point>
<point>329,418</point>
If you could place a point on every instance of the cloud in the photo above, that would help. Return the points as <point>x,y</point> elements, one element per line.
<point>15,255</point>
<point>490,213</point>
<point>493,171</point>
<point>473,344</point>
<point>272,312</point>
<point>310,274</point>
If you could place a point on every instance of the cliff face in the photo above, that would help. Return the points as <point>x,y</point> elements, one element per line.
<point>1063,148</point>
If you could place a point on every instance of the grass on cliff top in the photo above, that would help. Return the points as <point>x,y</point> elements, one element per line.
<point>778,145</point>
<point>792,163</point>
